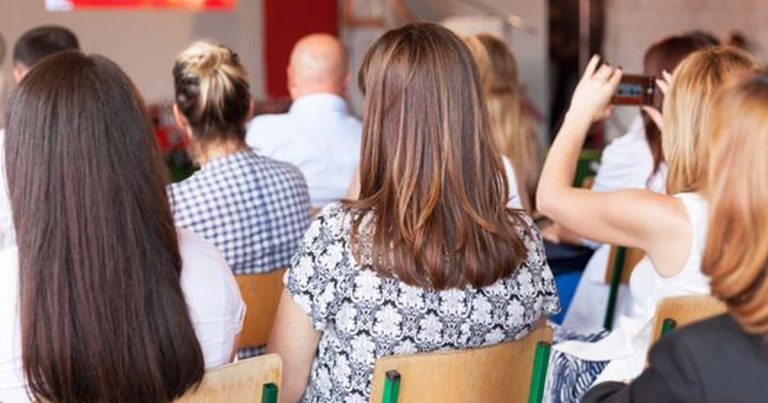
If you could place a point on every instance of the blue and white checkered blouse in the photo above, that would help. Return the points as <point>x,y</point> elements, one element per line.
<point>253,208</point>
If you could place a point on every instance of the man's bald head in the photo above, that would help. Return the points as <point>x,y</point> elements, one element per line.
<point>318,64</point>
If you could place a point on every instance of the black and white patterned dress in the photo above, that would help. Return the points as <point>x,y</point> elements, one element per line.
<point>363,316</point>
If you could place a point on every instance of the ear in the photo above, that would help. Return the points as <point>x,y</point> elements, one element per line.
<point>181,120</point>
<point>293,88</point>
<point>19,71</point>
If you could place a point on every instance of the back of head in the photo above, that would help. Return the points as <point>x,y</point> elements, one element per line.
<point>318,65</point>
<point>736,256</point>
<point>689,102</point>
<point>41,42</point>
<point>212,92</point>
<point>103,316</point>
<point>665,55</point>
<point>430,171</point>
<point>513,129</point>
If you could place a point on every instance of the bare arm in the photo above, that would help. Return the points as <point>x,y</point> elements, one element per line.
<point>295,340</point>
<point>655,223</point>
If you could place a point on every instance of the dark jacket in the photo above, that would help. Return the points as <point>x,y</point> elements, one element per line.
<point>710,361</point>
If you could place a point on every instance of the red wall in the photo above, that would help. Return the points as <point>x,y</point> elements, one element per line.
<point>286,21</point>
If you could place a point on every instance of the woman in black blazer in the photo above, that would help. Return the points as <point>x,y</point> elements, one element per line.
<point>723,359</point>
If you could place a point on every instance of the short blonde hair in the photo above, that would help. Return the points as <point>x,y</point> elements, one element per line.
<point>696,81</point>
<point>736,256</point>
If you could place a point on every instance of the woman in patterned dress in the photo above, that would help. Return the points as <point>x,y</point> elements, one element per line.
<point>429,258</point>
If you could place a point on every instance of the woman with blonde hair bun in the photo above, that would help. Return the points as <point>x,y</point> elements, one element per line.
<point>722,359</point>
<point>671,229</point>
<point>253,208</point>
<point>512,127</point>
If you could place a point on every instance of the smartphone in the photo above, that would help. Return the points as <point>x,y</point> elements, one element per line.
<point>636,90</point>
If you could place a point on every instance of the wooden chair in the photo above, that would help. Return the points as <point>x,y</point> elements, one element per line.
<point>261,293</point>
<point>621,262</point>
<point>677,312</point>
<point>253,380</point>
<point>513,371</point>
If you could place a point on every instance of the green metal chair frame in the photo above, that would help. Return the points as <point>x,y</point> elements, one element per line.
<point>613,293</point>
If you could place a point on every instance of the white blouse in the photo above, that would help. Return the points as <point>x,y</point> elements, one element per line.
<point>627,346</point>
<point>213,299</point>
<point>627,163</point>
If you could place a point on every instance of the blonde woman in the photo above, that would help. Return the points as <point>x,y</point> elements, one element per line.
<point>512,127</point>
<point>671,229</point>
<point>253,208</point>
<point>722,359</point>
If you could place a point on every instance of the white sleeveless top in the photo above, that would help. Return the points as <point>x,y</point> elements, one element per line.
<point>627,345</point>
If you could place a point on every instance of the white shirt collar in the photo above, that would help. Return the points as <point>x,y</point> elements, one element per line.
<point>324,102</point>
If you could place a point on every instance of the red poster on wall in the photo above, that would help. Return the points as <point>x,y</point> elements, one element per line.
<point>67,5</point>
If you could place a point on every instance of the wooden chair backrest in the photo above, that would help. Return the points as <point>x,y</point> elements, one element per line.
<point>685,310</point>
<point>242,381</point>
<point>261,293</point>
<point>632,257</point>
<point>500,373</point>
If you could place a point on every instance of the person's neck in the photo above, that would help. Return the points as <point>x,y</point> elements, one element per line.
<point>205,153</point>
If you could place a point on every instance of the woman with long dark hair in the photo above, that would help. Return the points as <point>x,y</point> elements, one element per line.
<point>103,299</point>
<point>430,257</point>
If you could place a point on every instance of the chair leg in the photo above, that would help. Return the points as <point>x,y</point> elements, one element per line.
<point>613,294</point>
<point>269,393</point>
<point>539,373</point>
<point>391,387</point>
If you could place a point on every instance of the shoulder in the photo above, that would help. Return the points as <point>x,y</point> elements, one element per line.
<point>268,121</point>
<point>279,173</point>
<point>266,130</point>
<point>205,273</point>
<point>716,330</point>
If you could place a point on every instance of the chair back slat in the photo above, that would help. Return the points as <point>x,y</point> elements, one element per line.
<point>243,381</point>
<point>261,293</point>
<point>674,313</point>
<point>499,373</point>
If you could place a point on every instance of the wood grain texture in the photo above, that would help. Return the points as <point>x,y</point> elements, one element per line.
<point>631,259</point>
<point>685,310</point>
<point>261,293</point>
<point>500,373</point>
<point>239,382</point>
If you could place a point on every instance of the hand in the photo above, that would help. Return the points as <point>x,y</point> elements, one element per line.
<point>593,94</point>
<point>663,84</point>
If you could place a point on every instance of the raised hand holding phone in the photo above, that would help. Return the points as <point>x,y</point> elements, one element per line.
<point>655,114</point>
<point>593,94</point>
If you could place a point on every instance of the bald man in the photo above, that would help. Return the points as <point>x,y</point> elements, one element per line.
<point>318,134</point>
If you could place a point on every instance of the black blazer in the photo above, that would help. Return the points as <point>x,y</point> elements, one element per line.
<point>710,361</point>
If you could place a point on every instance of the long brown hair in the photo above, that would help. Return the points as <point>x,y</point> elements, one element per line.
<point>736,256</point>
<point>430,172</point>
<point>690,100</point>
<point>103,315</point>
<point>513,129</point>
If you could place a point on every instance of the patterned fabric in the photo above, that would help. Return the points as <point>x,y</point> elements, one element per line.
<point>569,377</point>
<point>364,316</point>
<point>253,208</point>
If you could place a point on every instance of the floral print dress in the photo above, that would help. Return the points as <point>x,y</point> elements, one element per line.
<point>363,316</point>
